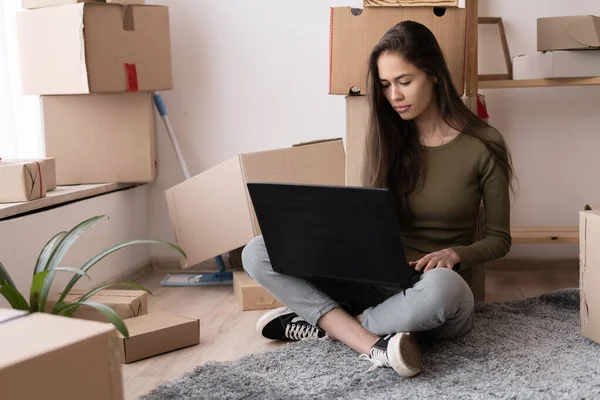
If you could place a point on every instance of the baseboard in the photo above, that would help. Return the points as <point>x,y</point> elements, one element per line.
<point>533,264</point>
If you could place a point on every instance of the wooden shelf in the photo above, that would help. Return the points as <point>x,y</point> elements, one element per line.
<point>500,84</point>
<point>546,235</point>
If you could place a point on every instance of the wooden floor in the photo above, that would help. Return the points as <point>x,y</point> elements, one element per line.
<point>226,333</point>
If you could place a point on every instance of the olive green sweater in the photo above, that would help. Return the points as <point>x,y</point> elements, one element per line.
<point>445,211</point>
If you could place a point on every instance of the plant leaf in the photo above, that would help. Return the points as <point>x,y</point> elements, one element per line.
<point>46,252</point>
<point>5,277</point>
<point>16,299</point>
<point>37,284</point>
<point>76,271</point>
<point>59,252</point>
<point>108,312</point>
<point>117,247</point>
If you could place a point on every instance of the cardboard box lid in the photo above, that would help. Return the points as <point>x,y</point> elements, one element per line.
<point>22,338</point>
<point>352,38</point>
<point>568,32</point>
<point>121,49</point>
<point>211,213</point>
<point>157,333</point>
<point>31,4</point>
<point>100,138</point>
<point>21,181</point>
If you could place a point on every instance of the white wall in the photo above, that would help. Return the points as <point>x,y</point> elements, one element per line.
<point>22,239</point>
<point>252,75</point>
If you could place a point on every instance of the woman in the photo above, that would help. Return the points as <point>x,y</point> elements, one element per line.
<point>440,161</point>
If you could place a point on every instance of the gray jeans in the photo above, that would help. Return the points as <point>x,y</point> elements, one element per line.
<point>439,305</point>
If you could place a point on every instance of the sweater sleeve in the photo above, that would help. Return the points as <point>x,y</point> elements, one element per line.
<point>496,241</point>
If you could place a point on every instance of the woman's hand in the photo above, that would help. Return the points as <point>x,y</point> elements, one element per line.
<point>446,258</point>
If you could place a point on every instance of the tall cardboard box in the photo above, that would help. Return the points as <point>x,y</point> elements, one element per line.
<point>100,138</point>
<point>568,33</point>
<point>354,33</point>
<point>589,274</point>
<point>45,356</point>
<point>94,48</point>
<point>212,213</point>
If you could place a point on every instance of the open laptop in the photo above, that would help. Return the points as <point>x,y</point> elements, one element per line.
<point>339,232</point>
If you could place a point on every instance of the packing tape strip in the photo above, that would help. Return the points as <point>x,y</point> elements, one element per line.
<point>132,78</point>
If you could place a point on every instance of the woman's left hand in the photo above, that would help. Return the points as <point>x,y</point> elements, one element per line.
<point>446,258</point>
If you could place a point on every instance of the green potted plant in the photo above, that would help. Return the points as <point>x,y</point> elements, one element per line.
<point>48,263</point>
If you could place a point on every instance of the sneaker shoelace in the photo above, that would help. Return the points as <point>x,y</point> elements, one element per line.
<point>377,357</point>
<point>301,331</point>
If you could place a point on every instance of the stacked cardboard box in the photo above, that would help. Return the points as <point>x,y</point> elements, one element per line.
<point>95,65</point>
<point>568,47</point>
<point>150,333</point>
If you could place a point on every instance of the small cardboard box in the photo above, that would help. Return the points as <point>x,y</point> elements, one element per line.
<point>101,138</point>
<point>21,181</point>
<point>126,303</point>
<point>94,48</point>
<point>71,359</point>
<point>31,4</point>
<point>157,333</point>
<point>48,168</point>
<point>251,295</point>
<point>353,34</point>
<point>557,64</point>
<point>568,33</point>
<point>589,274</point>
<point>212,213</point>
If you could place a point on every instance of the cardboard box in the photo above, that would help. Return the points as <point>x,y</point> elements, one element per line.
<point>126,303</point>
<point>414,3</point>
<point>211,213</point>
<point>251,295</point>
<point>568,33</point>
<point>45,356</point>
<point>357,125</point>
<point>589,274</point>
<point>21,181</point>
<point>121,49</point>
<point>557,64</point>
<point>157,333</point>
<point>235,258</point>
<point>352,38</point>
<point>101,138</point>
<point>32,4</point>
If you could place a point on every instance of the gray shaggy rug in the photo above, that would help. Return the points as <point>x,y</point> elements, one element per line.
<point>527,349</point>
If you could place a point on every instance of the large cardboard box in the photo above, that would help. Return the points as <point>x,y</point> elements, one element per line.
<point>353,34</point>
<point>557,64</point>
<point>157,333</point>
<point>21,181</point>
<point>568,33</point>
<point>212,213</point>
<point>45,356</point>
<point>126,303</point>
<point>589,274</point>
<point>251,295</point>
<point>94,48</point>
<point>101,138</point>
<point>31,4</point>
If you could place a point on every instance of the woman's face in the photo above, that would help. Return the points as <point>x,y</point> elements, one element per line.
<point>408,89</point>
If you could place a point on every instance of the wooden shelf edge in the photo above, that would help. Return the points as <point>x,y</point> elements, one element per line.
<point>549,235</point>
<point>522,83</point>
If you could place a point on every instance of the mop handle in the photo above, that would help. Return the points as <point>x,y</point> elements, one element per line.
<point>162,110</point>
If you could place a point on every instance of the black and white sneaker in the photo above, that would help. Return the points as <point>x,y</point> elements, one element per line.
<point>284,324</point>
<point>399,351</point>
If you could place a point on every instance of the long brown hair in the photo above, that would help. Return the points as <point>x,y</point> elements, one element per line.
<point>394,156</point>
